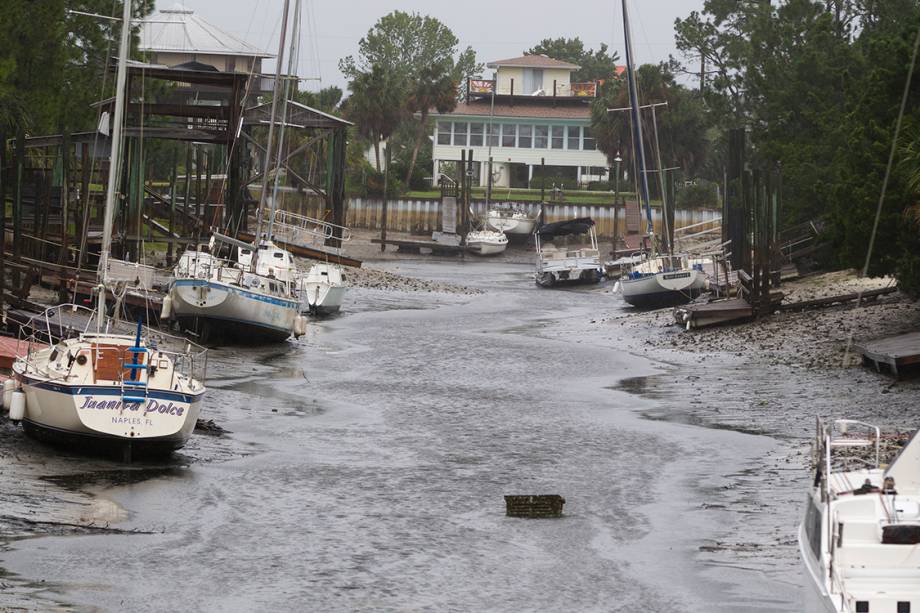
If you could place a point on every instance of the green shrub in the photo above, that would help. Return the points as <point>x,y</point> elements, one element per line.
<point>704,194</point>
<point>549,182</point>
<point>600,186</point>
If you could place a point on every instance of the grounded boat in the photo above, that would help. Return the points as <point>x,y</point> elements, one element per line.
<point>860,538</point>
<point>486,242</point>
<point>578,263</point>
<point>511,220</point>
<point>109,390</point>
<point>322,289</point>
<point>244,301</point>
<point>662,281</point>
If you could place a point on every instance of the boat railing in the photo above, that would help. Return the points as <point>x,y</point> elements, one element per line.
<point>299,229</point>
<point>66,321</point>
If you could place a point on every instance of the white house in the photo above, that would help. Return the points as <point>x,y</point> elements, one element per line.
<point>536,114</point>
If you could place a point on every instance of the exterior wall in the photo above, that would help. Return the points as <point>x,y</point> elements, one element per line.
<point>563,80</point>
<point>531,156</point>
<point>504,76</point>
<point>223,63</point>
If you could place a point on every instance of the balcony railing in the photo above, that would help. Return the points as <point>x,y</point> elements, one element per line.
<point>478,88</point>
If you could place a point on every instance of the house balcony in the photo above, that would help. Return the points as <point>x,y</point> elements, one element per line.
<point>484,88</point>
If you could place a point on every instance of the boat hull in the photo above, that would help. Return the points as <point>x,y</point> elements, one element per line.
<point>663,289</point>
<point>486,248</point>
<point>95,418</point>
<point>323,298</point>
<point>815,598</point>
<point>512,225</point>
<point>220,312</point>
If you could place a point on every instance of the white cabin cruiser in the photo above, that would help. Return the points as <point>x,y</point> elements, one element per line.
<point>486,242</point>
<point>567,263</point>
<point>860,539</point>
<point>244,301</point>
<point>322,289</point>
<point>511,220</point>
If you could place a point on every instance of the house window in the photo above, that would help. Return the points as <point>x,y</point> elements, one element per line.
<point>558,137</point>
<point>475,135</point>
<point>509,132</point>
<point>574,137</point>
<point>460,133</point>
<point>540,137</point>
<point>443,132</point>
<point>903,606</point>
<point>589,144</point>
<point>492,134</point>
<point>525,136</point>
<point>862,606</point>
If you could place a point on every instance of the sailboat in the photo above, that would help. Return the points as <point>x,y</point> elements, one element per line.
<point>486,242</point>
<point>102,388</point>
<point>860,536</point>
<point>661,279</point>
<point>253,299</point>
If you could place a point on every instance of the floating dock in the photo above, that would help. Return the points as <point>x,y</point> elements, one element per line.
<point>417,246</point>
<point>894,353</point>
<point>12,348</point>
<point>539,506</point>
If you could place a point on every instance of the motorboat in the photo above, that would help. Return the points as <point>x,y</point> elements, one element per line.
<point>322,289</point>
<point>511,220</point>
<point>486,242</point>
<point>860,537</point>
<point>251,300</point>
<point>96,384</point>
<point>574,259</point>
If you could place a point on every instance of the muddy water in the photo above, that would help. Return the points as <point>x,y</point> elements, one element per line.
<point>367,463</point>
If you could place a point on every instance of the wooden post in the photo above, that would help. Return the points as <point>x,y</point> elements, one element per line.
<point>733,206</point>
<point>65,198</point>
<point>3,181</point>
<point>489,182</point>
<point>85,168</point>
<point>543,170</point>
<point>197,209</point>
<point>207,208</point>
<point>386,180</point>
<point>17,199</point>
<point>173,179</point>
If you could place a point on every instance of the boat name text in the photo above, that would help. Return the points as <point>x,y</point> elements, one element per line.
<point>153,406</point>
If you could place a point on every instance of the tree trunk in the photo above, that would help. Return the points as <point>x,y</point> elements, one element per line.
<point>377,150</point>
<point>419,139</point>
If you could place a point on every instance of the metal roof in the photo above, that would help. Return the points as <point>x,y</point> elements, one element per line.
<point>179,30</point>
<point>533,61</point>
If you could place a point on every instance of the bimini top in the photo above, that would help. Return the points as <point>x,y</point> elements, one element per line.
<point>581,225</point>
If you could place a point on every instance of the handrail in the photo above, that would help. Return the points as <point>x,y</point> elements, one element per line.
<point>311,226</point>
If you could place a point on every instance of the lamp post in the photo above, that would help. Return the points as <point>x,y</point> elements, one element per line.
<point>616,195</point>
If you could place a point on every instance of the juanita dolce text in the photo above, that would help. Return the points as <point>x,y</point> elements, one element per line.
<point>153,406</point>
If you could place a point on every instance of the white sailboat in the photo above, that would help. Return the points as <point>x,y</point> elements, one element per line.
<point>100,388</point>
<point>511,220</point>
<point>252,300</point>
<point>860,538</point>
<point>486,242</point>
<point>661,279</point>
<point>322,289</point>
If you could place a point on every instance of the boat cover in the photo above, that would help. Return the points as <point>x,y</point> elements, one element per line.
<point>580,225</point>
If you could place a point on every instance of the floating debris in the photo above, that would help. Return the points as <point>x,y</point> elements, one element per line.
<point>540,506</point>
<point>209,427</point>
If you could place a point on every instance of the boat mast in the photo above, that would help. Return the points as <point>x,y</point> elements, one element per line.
<point>114,161</point>
<point>293,57</point>
<point>276,93</point>
<point>637,127</point>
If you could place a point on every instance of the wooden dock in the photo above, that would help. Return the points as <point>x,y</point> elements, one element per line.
<point>539,506</point>
<point>731,310</point>
<point>417,246</point>
<point>12,348</point>
<point>894,354</point>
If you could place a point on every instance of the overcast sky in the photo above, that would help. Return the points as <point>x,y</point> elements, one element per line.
<point>495,29</point>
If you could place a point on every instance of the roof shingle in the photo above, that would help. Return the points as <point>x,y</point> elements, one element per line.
<point>523,109</point>
<point>533,61</point>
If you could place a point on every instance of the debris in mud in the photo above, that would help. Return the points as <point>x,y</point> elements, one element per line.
<point>13,527</point>
<point>209,427</point>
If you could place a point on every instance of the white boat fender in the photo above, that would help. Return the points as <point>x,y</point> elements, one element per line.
<point>166,311</point>
<point>18,406</point>
<point>8,387</point>
<point>300,326</point>
<point>616,287</point>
